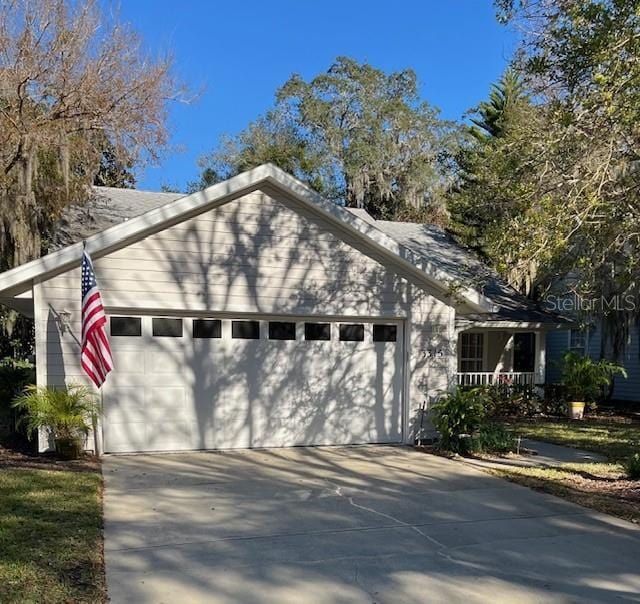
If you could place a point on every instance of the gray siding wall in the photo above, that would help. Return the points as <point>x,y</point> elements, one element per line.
<point>258,255</point>
<point>624,389</point>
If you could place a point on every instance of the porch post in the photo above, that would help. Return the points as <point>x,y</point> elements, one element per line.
<point>540,357</point>
<point>505,362</point>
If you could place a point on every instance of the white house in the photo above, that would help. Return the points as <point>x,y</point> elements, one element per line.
<point>258,314</point>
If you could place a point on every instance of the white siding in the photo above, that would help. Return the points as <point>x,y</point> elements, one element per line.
<point>254,255</point>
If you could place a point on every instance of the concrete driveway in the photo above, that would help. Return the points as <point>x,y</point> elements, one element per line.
<point>351,525</point>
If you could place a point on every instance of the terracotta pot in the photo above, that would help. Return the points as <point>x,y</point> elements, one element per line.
<point>576,410</point>
<point>68,448</point>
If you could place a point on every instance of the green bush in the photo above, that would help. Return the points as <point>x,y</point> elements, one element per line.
<point>457,416</point>
<point>584,379</point>
<point>67,412</point>
<point>633,467</point>
<point>511,400</point>
<point>14,377</point>
<point>554,401</point>
<point>493,438</point>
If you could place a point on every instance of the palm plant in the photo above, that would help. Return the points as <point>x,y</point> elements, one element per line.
<point>67,412</point>
<point>585,379</point>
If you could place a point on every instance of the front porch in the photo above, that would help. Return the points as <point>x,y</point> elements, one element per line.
<point>506,357</point>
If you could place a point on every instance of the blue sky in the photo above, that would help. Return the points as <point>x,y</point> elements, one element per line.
<point>241,51</point>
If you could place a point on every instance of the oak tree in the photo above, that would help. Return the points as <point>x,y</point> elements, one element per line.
<point>355,133</point>
<point>74,83</point>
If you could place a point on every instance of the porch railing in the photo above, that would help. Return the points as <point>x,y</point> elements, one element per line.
<point>481,378</point>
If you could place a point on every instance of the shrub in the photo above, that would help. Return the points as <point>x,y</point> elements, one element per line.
<point>493,438</point>
<point>520,400</point>
<point>554,401</point>
<point>633,467</point>
<point>457,416</point>
<point>585,379</point>
<point>67,412</point>
<point>14,376</point>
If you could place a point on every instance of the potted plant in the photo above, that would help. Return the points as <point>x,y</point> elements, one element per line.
<point>584,380</point>
<point>67,412</point>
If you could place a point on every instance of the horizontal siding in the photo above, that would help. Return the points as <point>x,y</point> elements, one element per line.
<point>624,389</point>
<point>255,255</point>
<point>225,254</point>
<point>216,293</point>
<point>556,346</point>
<point>431,360</point>
<point>629,389</point>
<point>217,262</point>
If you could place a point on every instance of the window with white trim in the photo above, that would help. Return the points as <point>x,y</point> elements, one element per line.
<point>578,340</point>
<point>471,352</point>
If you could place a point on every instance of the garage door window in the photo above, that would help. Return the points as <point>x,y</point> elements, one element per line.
<point>245,330</point>
<point>126,326</point>
<point>385,333</point>
<point>317,331</point>
<point>352,332</point>
<point>207,328</point>
<point>171,328</point>
<point>282,330</point>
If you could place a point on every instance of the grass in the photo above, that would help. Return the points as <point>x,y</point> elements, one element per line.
<point>51,536</point>
<point>615,441</point>
<point>601,486</point>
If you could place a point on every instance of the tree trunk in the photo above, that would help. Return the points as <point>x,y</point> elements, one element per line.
<point>20,237</point>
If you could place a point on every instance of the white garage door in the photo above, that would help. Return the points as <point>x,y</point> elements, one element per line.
<point>208,383</point>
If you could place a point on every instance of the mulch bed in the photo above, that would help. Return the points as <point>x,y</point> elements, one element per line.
<point>11,458</point>
<point>621,488</point>
<point>619,498</point>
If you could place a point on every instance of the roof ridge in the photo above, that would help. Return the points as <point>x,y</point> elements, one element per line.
<point>133,190</point>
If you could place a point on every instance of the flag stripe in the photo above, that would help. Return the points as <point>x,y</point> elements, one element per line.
<point>92,376</point>
<point>92,298</point>
<point>92,362</point>
<point>105,348</point>
<point>96,350</point>
<point>95,356</point>
<point>91,318</point>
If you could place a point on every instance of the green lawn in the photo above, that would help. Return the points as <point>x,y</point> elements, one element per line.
<point>51,536</point>
<point>616,441</point>
<point>602,486</point>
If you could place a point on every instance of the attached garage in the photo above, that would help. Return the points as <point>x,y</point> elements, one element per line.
<point>217,383</point>
<point>254,313</point>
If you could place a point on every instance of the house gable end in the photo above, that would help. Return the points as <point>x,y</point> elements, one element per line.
<point>189,206</point>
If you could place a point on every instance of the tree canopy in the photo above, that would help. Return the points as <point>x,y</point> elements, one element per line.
<point>554,196</point>
<point>355,133</point>
<point>74,85</point>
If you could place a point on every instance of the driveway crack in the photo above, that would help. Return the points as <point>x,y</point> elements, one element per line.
<point>350,499</point>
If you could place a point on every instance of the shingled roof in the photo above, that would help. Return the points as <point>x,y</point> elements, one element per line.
<point>106,207</point>
<point>109,206</point>
<point>440,247</point>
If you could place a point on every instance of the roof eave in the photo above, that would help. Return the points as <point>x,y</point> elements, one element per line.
<point>463,324</point>
<point>185,207</point>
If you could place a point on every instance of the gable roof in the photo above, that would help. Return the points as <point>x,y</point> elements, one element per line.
<point>109,206</point>
<point>106,207</point>
<point>188,206</point>
<point>112,218</point>
<point>467,267</point>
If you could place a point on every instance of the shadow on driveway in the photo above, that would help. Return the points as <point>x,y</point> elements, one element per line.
<point>350,525</point>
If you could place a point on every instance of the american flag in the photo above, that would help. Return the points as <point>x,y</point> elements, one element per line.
<point>95,356</point>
